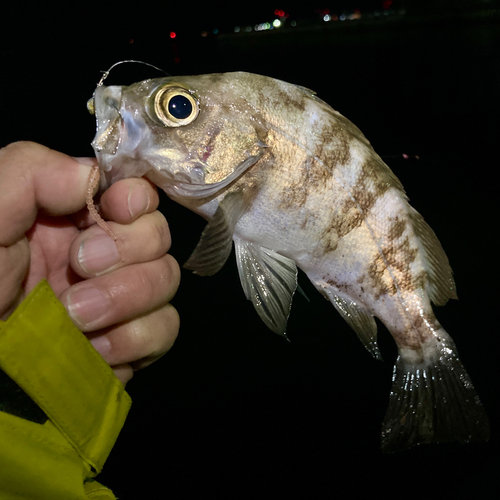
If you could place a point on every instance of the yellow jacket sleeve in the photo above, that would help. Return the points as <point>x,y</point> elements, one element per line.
<point>83,405</point>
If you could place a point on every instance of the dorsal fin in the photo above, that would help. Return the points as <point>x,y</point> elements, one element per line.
<point>441,285</point>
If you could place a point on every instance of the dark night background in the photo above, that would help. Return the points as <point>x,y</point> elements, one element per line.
<point>234,411</point>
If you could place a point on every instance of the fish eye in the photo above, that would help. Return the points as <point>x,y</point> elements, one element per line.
<point>180,107</point>
<point>175,106</point>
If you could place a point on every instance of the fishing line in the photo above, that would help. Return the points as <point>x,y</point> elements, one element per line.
<point>106,73</point>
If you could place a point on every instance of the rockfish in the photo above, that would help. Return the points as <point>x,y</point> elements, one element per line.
<point>295,184</point>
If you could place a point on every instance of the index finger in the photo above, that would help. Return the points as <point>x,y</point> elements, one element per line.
<point>32,178</point>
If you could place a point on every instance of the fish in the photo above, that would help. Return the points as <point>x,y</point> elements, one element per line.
<point>296,185</point>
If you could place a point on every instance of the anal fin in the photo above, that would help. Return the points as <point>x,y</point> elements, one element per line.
<point>357,317</point>
<point>361,321</point>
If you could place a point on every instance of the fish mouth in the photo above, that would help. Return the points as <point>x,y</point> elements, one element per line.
<point>109,124</point>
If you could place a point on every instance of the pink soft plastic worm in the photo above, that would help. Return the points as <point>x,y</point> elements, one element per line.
<point>89,198</point>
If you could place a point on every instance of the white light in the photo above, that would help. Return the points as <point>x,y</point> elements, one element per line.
<point>293,24</point>
<point>236,29</point>
<point>327,17</point>
<point>276,23</point>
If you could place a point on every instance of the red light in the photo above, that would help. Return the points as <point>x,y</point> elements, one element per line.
<point>386,4</point>
<point>279,13</point>
<point>173,34</point>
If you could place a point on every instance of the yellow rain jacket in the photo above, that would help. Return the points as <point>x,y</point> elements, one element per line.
<point>65,409</point>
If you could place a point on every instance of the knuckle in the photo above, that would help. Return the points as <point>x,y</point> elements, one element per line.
<point>161,230</point>
<point>24,149</point>
<point>173,269</point>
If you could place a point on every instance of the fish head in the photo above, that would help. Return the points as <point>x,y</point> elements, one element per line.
<point>191,135</point>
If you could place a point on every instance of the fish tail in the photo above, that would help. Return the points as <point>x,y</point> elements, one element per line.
<point>432,402</point>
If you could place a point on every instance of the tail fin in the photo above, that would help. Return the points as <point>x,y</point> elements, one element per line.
<point>433,402</point>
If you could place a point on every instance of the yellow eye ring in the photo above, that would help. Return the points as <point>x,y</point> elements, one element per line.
<point>175,106</point>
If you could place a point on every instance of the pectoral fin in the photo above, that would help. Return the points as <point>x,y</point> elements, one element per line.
<point>214,246</point>
<point>269,281</point>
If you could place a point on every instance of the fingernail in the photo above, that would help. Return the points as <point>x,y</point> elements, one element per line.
<point>138,200</point>
<point>102,345</point>
<point>87,305</point>
<point>98,254</point>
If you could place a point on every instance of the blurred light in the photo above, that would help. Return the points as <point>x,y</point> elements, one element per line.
<point>204,34</point>
<point>276,23</point>
<point>279,13</point>
<point>248,29</point>
<point>173,34</point>
<point>386,4</point>
<point>293,24</point>
<point>215,31</point>
<point>327,17</point>
<point>236,29</point>
<point>263,27</point>
<point>342,17</point>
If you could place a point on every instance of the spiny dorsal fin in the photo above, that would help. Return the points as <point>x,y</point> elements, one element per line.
<point>269,281</point>
<point>441,285</point>
<point>214,246</point>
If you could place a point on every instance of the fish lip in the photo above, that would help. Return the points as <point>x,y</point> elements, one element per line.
<point>109,123</point>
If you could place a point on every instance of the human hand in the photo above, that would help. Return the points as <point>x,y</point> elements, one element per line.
<point>120,300</point>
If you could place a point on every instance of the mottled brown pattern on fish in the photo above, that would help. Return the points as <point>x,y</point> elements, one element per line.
<point>281,98</point>
<point>315,171</point>
<point>312,176</point>
<point>353,209</point>
<point>340,286</point>
<point>398,227</point>
<point>380,279</point>
<point>337,155</point>
<point>397,255</point>
<point>420,328</point>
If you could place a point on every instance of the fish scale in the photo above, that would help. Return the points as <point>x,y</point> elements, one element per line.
<point>296,185</point>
